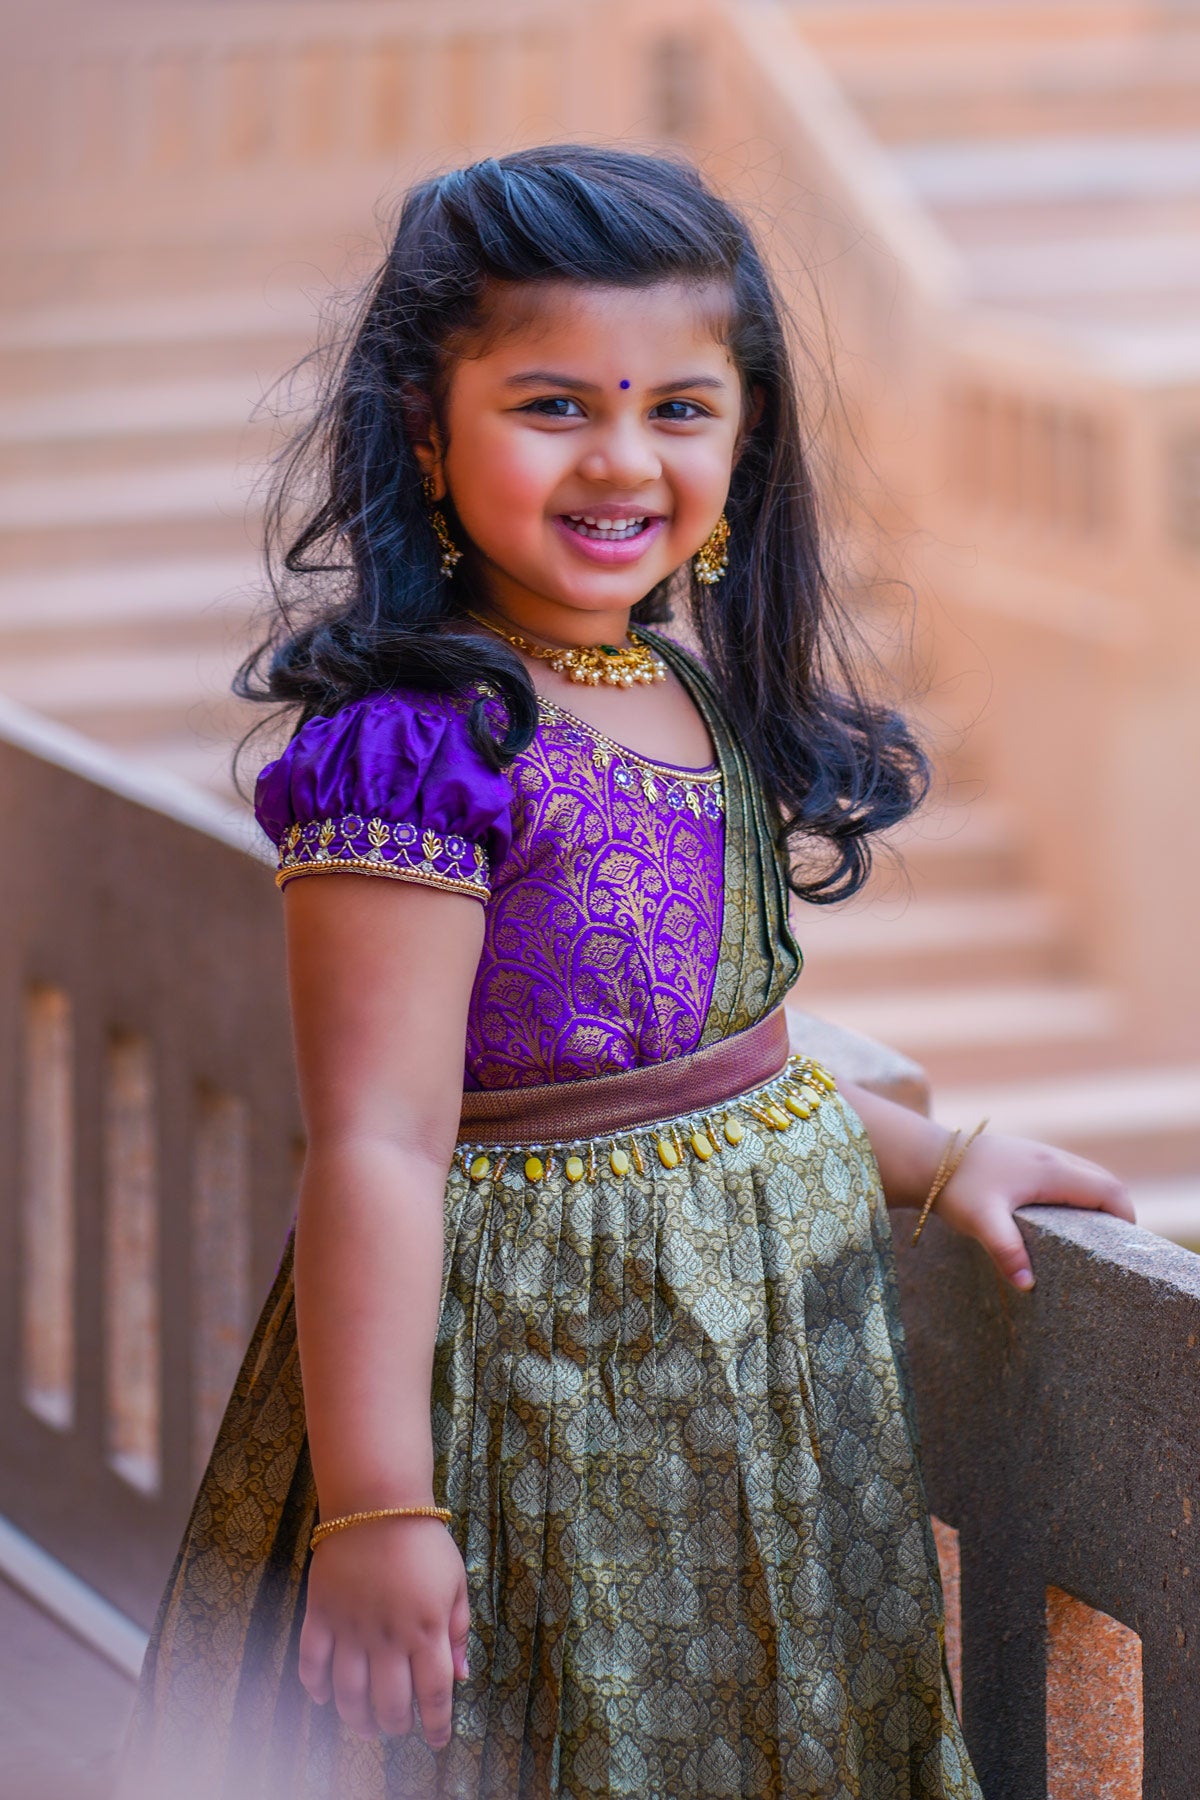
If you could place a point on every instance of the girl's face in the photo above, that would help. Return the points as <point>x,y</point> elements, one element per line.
<point>589,448</point>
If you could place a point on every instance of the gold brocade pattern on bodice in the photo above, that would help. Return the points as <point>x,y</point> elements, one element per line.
<point>601,936</point>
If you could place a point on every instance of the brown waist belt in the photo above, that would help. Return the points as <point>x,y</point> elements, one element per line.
<point>566,1111</point>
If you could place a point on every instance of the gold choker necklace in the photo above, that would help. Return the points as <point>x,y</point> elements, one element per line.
<point>614,665</point>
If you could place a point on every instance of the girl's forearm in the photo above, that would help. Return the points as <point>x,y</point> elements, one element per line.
<point>907,1145</point>
<point>368,1262</point>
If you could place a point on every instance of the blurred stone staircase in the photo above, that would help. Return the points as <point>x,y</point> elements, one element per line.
<point>952,957</point>
<point>1057,146</point>
<point>129,519</point>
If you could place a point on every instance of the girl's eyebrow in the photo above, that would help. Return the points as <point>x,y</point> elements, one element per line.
<point>690,381</point>
<point>553,378</point>
<point>549,378</point>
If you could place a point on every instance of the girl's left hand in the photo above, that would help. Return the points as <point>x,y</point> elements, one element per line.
<point>999,1174</point>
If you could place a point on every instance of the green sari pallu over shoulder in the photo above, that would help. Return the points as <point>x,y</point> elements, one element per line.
<point>672,1419</point>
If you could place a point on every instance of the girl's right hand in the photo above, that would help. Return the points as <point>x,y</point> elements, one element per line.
<point>386,1625</point>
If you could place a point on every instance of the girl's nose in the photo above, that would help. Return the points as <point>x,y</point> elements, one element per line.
<point>622,455</point>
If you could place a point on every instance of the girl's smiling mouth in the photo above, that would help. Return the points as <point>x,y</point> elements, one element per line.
<point>610,536</point>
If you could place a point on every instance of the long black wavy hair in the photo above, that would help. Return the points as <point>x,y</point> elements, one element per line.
<point>359,601</point>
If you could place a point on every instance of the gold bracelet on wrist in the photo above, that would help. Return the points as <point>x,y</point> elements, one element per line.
<point>441,1513</point>
<point>939,1176</point>
<point>946,1170</point>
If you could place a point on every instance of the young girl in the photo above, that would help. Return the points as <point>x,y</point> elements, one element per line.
<point>605,1422</point>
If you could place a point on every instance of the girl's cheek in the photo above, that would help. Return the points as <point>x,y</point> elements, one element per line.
<point>499,503</point>
<point>701,470</point>
<point>524,475</point>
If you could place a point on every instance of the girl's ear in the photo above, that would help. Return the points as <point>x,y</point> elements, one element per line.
<point>752,414</point>
<point>421,430</point>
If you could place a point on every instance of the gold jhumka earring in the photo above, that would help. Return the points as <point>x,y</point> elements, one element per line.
<point>451,554</point>
<point>712,558</point>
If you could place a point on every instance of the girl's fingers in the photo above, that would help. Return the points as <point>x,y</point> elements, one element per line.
<point>1001,1238</point>
<point>1081,1183</point>
<point>352,1688</point>
<point>1000,1175</point>
<point>460,1627</point>
<point>433,1684</point>
<point>316,1658</point>
<point>392,1692</point>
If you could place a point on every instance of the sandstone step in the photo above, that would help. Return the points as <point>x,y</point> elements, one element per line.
<point>203,758</point>
<point>201,507</point>
<point>223,628</point>
<point>1171,1208</point>
<point>98,429</point>
<point>1145,349</point>
<point>205,729</point>
<point>1024,88</point>
<point>1022,221</point>
<point>1015,115</point>
<point>860,948</point>
<point>193,256</point>
<point>122,696</point>
<point>177,337</point>
<point>1124,319</point>
<point>182,592</point>
<point>948,848</point>
<point>1081,272</point>
<point>178,492</point>
<point>982,1030</point>
<point>886,25</point>
<point>1141,1122</point>
<point>1039,170</point>
<point>206,762</point>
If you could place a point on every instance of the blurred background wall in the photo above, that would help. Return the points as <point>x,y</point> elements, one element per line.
<point>986,214</point>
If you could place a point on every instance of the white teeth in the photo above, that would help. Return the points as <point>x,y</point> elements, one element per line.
<point>596,525</point>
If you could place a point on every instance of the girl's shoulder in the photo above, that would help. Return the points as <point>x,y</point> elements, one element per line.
<point>391,783</point>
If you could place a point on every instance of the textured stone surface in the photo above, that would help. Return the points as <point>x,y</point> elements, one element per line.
<point>1060,1443</point>
<point>1093,1703</point>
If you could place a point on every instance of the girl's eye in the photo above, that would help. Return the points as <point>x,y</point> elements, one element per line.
<point>680,412</point>
<point>555,406</point>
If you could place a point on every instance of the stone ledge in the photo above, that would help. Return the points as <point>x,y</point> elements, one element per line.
<point>849,1056</point>
<point>1059,1443</point>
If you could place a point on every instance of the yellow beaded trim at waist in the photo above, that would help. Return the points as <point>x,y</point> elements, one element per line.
<point>794,1094</point>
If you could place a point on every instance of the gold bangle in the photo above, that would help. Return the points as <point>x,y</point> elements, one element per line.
<point>939,1178</point>
<point>947,1168</point>
<point>441,1513</point>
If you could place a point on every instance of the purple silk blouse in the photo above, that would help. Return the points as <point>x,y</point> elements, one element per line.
<point>601,873</point>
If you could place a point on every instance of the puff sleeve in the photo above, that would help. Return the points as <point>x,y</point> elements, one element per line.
<point>390,785</point>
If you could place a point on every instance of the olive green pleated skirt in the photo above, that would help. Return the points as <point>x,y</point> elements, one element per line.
<point>672,1419</point>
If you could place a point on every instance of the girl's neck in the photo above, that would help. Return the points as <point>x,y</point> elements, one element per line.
<point>549,622</point>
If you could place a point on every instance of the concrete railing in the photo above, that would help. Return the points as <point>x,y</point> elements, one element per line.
<point>1061,1452</point>
<point>148,1147</point>
<point>149,1142</point>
